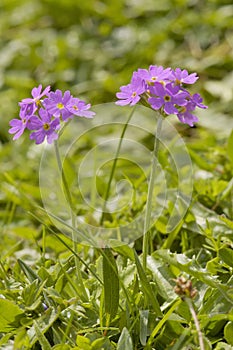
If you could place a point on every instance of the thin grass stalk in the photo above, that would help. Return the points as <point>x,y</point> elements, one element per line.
<point>114,166</point>
<point>146,231</point>
<point>72,216</point>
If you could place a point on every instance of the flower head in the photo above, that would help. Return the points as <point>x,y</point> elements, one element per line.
<point>78,107</point>
<point>162,89</point>
<point>131,93</point>
<point>154,74</point>
<point>19,125</point>
<point>182,77</point>
<point>45,127</point>
<point>37,94</point>
<point>43,115</point>
<point>167,97</point>
<point>56,104</point>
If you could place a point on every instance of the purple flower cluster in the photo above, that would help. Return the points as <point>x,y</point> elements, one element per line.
<point>43,113</point>
<point>163,90</point>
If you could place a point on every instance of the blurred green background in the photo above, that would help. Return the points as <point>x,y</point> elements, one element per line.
<point>92,47</point>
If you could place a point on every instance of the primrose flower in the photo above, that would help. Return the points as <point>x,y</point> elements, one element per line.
<point>56,104</point>
<point>131,93</point>
<point>45,127</point>
<point>167,97</point>
<point>43,113</point>
<point>78,107</point>
<point>19,125</point>
<point>185,115</point>
<point>37,94</point>
<point>162,89</point>
<point>154,73</point>
<point>182,77</point>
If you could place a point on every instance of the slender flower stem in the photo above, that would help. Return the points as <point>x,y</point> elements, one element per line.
<point>72,216</point>
<point>146,232</point>
<point>114,165</point>
<point>197,324</point>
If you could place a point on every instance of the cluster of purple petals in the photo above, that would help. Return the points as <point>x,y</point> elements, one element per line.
<point>44,112</point>
<point>163,89</point>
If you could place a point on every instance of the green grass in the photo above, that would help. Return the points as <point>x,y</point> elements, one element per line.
<point>113,302</point>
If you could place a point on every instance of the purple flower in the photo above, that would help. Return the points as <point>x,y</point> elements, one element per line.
<point>167,97</point>
<point>155,73</point>
<point>181,76</point>
<point>19,125</point>
<point>45,127</point>
<point>130,94</point>
<point>196,99</point>
<point>37,93</point>
<point>56,104</point>
<point>78,107</point>
<point>185,115</point>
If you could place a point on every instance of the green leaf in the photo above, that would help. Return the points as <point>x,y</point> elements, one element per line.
<point>83,343</point>
<point>111,285</point>
<point>125,341</point>
<point>144,315</point>
<point>228,332</point>
<point>44,323</point>
<point>226,254</point>
<point>31,275</point>
<point>191,267</point>
<point>223,346</point>
<point>41,338</point>
<point>10,316</point>
<point>146,286</point>
<point>230,147</point>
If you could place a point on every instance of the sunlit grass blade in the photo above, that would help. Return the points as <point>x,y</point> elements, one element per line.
<point>111,285</point>
<point>146,286</point>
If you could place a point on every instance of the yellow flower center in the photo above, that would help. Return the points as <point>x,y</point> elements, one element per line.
<point>183,109</point>
<point>46,126</point>
<point>60,105</point>
<point>134,94</point>
<point>167,98</point>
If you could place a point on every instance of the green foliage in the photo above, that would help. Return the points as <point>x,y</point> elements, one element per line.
<point>92,49</point>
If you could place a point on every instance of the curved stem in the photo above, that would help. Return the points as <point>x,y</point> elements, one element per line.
<point>114,166</point>
<point>72,216</point>
<point>146,231</point>
<point>197,324</point>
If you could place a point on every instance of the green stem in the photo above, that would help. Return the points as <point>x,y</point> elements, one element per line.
<point>114,166</point>
<point>146,232</point>
<point>197,324</point>
<point>72,216</point>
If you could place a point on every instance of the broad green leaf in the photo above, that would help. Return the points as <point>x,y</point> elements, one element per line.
<point>190,266</point>
<point>144,315</point>
<point>111,285</point>
<point>226,254</point>
<point>122,249</point>
<point>146,287</point>
<point>98,343</point>
<point>163,277</point>
<point>223,346</point>
<point>44,323</point>
<point>125,341</point>
<point>10,316</point>
<point>83,343</point>
<point>228,332</point>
